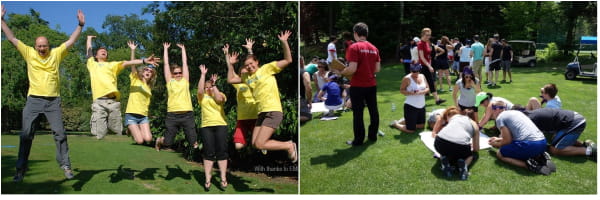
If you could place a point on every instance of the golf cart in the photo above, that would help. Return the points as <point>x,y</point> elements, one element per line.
<point>575,69</point>
<point>523,52</point>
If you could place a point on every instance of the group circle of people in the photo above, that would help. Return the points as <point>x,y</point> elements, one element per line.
<point>259,110</point>
<point>456,129</point>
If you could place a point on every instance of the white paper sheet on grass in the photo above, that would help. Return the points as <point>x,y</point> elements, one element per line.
<point>428,141</point>
<point>319,108</point>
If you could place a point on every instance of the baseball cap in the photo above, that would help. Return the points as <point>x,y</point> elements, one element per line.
<point>416,39</point>
<point>480,97</point>
<point>468,70</point>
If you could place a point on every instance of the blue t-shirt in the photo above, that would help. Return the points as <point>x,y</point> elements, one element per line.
<point>554,103</point>
<point>477,49</point>
<point>333,91</point>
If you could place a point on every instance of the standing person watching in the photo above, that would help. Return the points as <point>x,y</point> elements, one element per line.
<point>364,62</point>
<point>507,58</point>
<point>331,50</point>
<point>43,96</point>
<point>425,57</point>
<point>477,55</point>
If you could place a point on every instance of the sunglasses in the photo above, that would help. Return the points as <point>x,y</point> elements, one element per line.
<point>494,107</point>
<point>148,70</point>
<point>412,71</point>
<point>469,77</point>
<point>176,73</point>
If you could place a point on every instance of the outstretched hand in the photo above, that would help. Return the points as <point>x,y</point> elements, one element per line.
<point>203,69</point>
<point>233,57</point>
<point>3,11</point>
<point>214,78</point>
<point>80,17</point>
<point>225,49</point>
<point>132,45</point>
<point>153,60</point>
<point>249,44</point>
<point>166,45</point>
<point>283,36</point>
<point>181,46</point>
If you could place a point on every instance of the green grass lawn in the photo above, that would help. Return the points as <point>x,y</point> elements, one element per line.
<point>115,165</point>
<point>399,163</point>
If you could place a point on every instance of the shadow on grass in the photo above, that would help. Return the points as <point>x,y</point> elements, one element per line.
<point>235,182</point>
<point>175,172</point>
<point>341,156</point>
<point>573,159</point>
<point>407,138</point>
<point>437,171</point>
<point>519,170</point>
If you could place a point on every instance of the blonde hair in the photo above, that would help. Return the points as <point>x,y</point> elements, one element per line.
<point>140,74</point>
<point>425,30</point>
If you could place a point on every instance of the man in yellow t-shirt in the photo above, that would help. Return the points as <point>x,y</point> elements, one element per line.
<point>43,96</point>
<point>264,88</point>
<point>106,108</point>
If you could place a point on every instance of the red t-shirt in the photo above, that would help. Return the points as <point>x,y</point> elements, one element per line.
<point>366,56</point>
<point>426,48</point>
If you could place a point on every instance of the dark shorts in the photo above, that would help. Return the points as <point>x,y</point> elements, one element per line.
<point>413,116</point>
<point>474,108</point>
<point>495,66</point>
<point>523,150</point>
<point>443,64</point>
<point>462,66</point>
<point>452,150</point>
<point>506,65</point>
<point>269,119</point>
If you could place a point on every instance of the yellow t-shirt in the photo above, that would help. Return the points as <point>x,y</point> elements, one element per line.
<point>103,76</point>
<point>212,113</point>
<point>139,96</point>
<point>246,106</point>
<point>264,87</point>
<point>179,96</point>
<point>43,72</point>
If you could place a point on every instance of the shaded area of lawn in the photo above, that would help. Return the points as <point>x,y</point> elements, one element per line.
<point>399,163</point>
<point>115,165</point>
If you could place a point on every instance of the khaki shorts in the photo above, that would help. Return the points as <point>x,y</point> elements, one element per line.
<point>106,115</point>
<point>269,119</point>
<point>477,66</point>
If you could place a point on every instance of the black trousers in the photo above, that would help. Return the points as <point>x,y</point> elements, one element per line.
<point>214,141</point>
<point>176,121</point>
<point>430,78</point>
<point>359,96</point>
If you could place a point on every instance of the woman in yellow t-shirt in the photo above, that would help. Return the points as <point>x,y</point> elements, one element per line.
<point>263,84</point>
<point>180,113</point>
<point>140,92</point>
<point>214,127</point>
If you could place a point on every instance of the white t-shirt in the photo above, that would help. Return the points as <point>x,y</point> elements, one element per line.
<point>414,54</point>
<point>331,48</point>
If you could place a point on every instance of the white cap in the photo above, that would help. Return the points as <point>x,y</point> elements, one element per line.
<point>416,39</point>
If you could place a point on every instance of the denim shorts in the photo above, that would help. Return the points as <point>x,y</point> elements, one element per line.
<point>131,118</point>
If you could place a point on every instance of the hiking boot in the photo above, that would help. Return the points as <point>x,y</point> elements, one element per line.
<point>68,172</point>
<point>549,162</point>
<point>463,172</point>
<point>19,175</point>
<point>446,168</point>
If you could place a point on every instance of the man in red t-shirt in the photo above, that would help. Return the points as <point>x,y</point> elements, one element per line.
<point>364,62</point>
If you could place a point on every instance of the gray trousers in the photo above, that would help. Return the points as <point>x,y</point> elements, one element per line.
<point>106,114</point>
<point>51,108</point>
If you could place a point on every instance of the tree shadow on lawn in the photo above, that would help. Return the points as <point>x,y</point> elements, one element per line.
<point>236,182</point>
<point>573,159</point>
<point>341,156</point>
<point>407,138</point>
<point>502,164</point>
<point>437,171</point>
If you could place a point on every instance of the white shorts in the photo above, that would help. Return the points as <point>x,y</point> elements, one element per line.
<point>487,64</point>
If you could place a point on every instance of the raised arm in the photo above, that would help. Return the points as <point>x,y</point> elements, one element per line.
<point>248,45</point>
<point>150,60</point>
<point>231,59</point>
<point>203,71</point>
<point>9,34</point>
<point>287,55</point>
<point>186,71</point>
<point>167,67</point>
<point>132,46</point>
<point>219,98</point>
<point>88,46</point>
<point>73,38</point>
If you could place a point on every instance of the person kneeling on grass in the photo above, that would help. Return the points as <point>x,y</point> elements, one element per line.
<point>453,141</point>
<point>521,143</point>
<point>486,100</point>
<point>263,84</point>
<point>333,101</point>
<point>568,126</point>
<point>414,86</point>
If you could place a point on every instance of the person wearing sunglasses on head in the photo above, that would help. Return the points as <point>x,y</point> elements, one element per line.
<point>520,140</point>
<point>414,86</point>
<point>468,86</point>
<point>180,113</point>
<point>106,108</point>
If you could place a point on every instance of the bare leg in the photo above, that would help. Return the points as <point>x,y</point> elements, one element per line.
<point>135,131</point>
<point>208,164</point>
<point>223,169</point>
<point>239,146</point>
<point>261,140</point>
<point>512,161</point>
<point>568,151</point>
<point>533,104</point>
<point>145,130</point>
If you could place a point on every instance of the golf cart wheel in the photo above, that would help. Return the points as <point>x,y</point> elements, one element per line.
<point>531,63</point>
<point>570,75</point>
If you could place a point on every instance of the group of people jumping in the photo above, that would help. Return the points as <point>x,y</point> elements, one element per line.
<point>259,110</point>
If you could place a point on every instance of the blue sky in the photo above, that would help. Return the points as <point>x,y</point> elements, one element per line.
<point>64,13</point>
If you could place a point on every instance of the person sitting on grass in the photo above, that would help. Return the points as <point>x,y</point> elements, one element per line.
<point>568,126</point>
<point>140,93</point>
<point>414,86</point>
<point>453,141</point>
<point>333,101</point>
<point>263,85</point>
<point>320,78</point>
<point>468,86</point>
<point>520,140</point>
<point>548,95</point>
<point>486,100</point>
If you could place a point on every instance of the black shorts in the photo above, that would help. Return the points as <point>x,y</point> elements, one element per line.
<point>462,66</point>
<point>443,64</point>
<point>413,116</point>
<point>474,108</point>
<point>452,150</point>
<point>495,66</point>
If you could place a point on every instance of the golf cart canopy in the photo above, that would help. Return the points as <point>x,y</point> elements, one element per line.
<point>521,41</point>
<point>589,40</point>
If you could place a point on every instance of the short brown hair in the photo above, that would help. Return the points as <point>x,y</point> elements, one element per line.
<point>550,89</point>
<point>449,112</point>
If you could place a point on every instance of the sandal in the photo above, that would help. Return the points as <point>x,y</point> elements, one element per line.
<point>224,184</point>
<point>294,156</point>
<point>207,186</point>
<point>158,143</point>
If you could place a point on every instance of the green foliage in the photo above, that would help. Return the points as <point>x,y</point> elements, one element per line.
<point>550,53</point>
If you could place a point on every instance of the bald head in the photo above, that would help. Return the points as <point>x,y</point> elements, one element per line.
<point>42,46</point>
